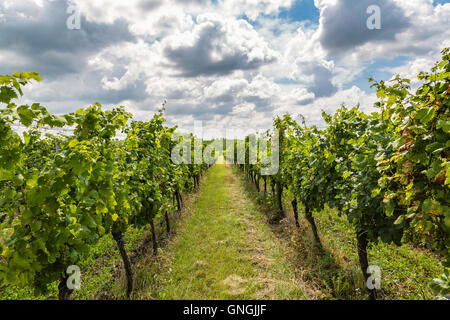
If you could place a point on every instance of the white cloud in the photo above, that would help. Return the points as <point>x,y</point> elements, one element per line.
<point>411,69</point>
<point>312,111</point>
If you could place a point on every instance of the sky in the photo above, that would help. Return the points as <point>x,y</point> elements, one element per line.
<point>231,64</point>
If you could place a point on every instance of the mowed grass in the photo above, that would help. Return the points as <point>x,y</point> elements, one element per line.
<point>223,250</point>
<point>406,271</point>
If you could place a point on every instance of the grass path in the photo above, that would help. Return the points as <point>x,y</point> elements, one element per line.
<point>223,250</point>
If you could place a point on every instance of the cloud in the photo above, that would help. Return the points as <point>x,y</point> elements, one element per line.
<point>39,34</point>
<point>408,28</point>
<point>231,63</point>
<point>322,85</point>
<point>150,5</point>
<point>343,25</point>
<point>217,47</point>
<point>312,109</point>
<point>306,61</point>
<point>220,98</point>
<point>301,97</point>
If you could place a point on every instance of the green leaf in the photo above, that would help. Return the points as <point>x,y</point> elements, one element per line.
<point>390,208</point>
<point>346,174</point>
<point>7,94</point>
<point>32,178</point>
<point>427,206</point>
<point>425,115</point>
<point>18,180</point>
<point>444,125</point>
<point>36,226</point>
<point>89,221</point>
<point>399,220</point>
<point>73,143</point>
<point>26,138</point>
<point>26,115</point>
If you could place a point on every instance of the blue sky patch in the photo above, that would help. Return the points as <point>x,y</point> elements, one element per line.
<point>300,11</point>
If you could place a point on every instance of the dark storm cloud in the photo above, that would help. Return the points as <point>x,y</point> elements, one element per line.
<point>345,24</point>
<point>262,104</point>
<point>135,91</point>
<point>201,110</point>
<point>150,5</point>
<point>304,102</point>
<point>48,46</point>
<point>43,43</point>
<point>221,105</point>
<point>322,85</point>
<point>238,94</point>
<point>196,60</point>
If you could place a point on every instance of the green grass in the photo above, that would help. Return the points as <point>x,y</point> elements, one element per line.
<point>406,271</point>
<point>224,250</point>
